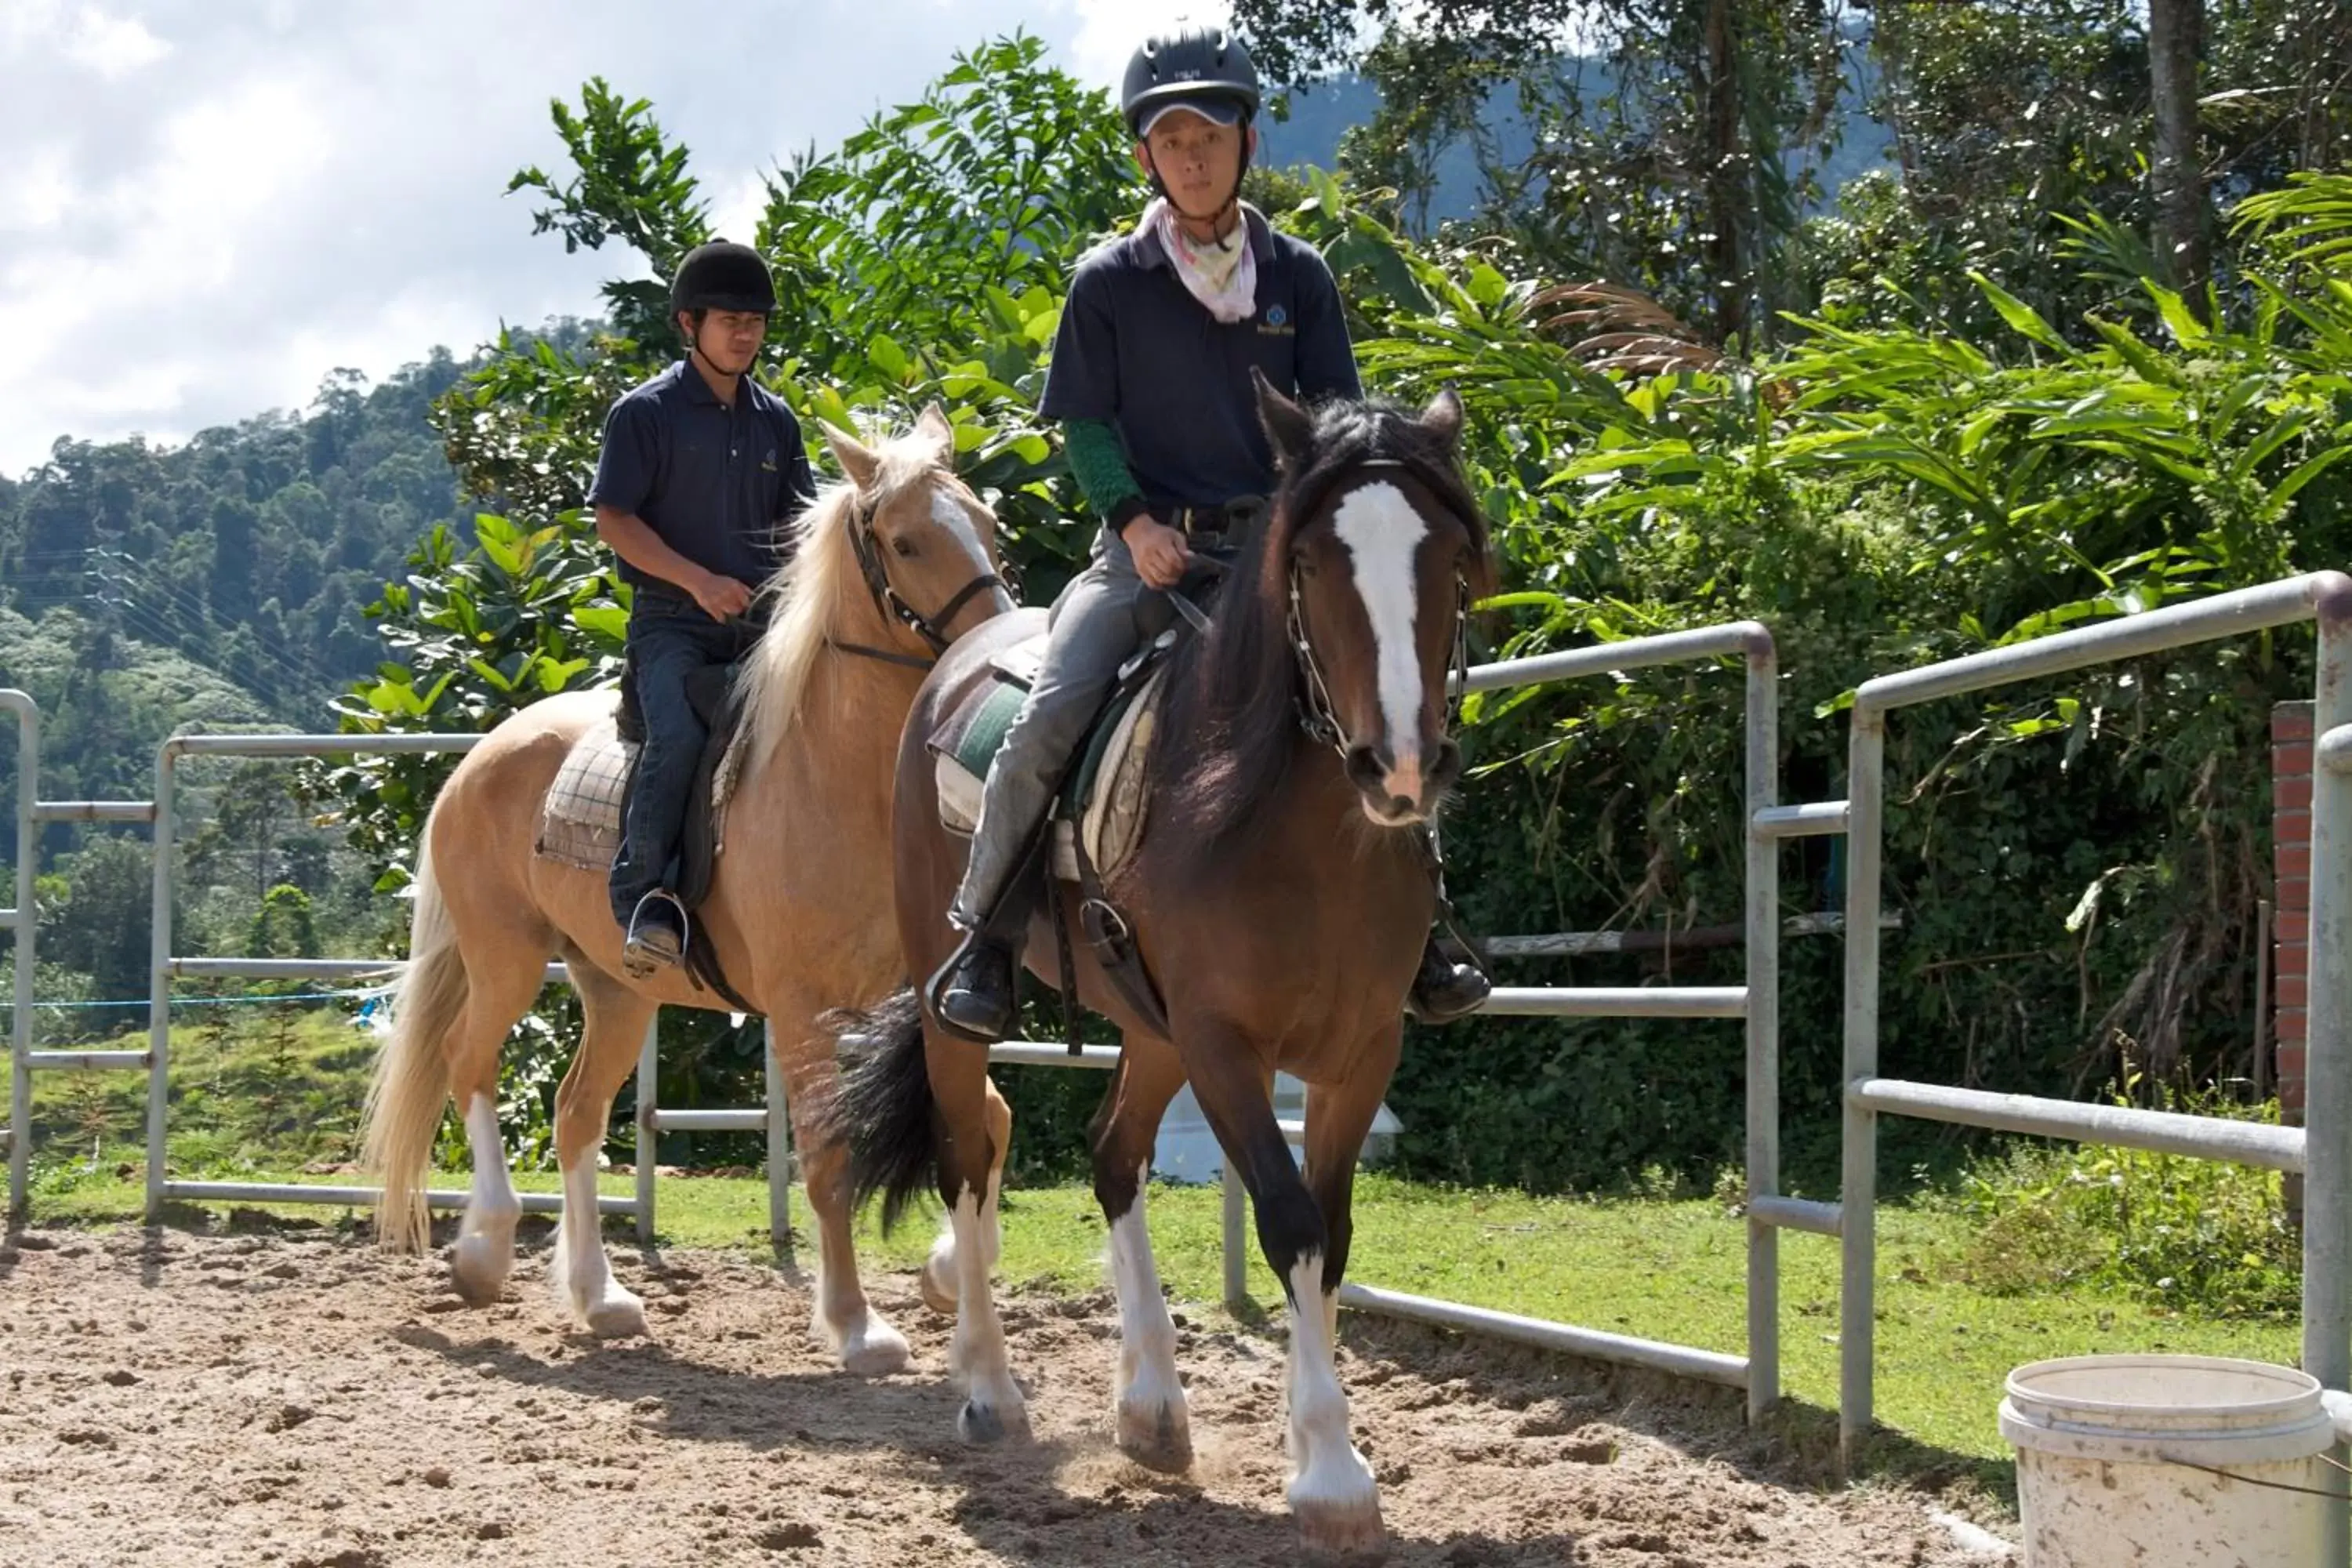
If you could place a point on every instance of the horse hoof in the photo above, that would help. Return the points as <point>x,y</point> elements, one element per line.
<point>477,1273</point>
<point>1158,1437</point>
<point>978,1424</point>
<point>1350,1531</point>
<point>982,1424</point>
<point>622,1318</point>
<point>938,1286</point>
<point>879,1352</point>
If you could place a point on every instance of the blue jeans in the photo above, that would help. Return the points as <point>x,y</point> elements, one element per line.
<point>669,638</point>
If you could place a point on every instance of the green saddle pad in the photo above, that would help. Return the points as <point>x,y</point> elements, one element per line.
<point>986,717</point>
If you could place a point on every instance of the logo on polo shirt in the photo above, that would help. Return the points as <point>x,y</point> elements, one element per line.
<point>1278,323</point>
<point>768,461</point>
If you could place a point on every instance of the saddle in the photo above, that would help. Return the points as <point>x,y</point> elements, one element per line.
<point>1099,809</point>
<point>579,822</point>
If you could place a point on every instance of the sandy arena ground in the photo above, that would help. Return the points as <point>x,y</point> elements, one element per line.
<point>282,1395</point>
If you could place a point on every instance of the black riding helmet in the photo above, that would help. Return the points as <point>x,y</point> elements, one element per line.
<point>1193,65</point>
<point>723,276</point>
<point>1204,69</point>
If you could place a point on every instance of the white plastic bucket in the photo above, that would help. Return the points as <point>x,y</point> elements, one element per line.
<point>2115,1456</point>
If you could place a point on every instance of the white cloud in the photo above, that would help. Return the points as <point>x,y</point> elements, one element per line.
<point>1109,31</point>
<point>207,204</point>
<point>80,34</point>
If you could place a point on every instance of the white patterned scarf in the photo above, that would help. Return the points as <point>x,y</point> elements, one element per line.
<point>1222,277</point>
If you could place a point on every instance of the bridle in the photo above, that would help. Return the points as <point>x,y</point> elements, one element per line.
<point>1319,716</point>
<point>868,547</point>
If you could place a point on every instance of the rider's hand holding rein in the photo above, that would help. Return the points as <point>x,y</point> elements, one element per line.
<point>1160,555</point>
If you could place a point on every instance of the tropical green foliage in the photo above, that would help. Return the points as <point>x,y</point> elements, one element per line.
<point>2074,864</point>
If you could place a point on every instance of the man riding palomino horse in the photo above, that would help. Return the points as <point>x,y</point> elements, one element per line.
<point>702,469</point>
<point>1151,379</point>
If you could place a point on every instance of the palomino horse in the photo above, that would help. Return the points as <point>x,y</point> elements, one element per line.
<point>798,909</point>
<point>1280,897</point>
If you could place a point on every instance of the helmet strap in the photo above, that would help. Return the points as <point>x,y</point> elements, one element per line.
<point>696,350</point>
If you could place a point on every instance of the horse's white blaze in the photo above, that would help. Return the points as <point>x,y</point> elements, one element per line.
<point>1382,531</point>
<point>949,514</point>
<point>1326,1470</point>
<point>1147,1335</point>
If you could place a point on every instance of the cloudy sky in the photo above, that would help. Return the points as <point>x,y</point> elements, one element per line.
<point>206,204</point>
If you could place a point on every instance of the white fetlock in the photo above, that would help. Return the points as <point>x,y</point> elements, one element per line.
<point>937,1279</point>
<point>484,1255</point>
<point>579,1270</point>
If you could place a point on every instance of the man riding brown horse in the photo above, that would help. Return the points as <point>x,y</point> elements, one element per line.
<point>1151,378</point>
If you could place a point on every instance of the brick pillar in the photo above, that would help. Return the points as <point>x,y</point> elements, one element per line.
<point>2291,724</point>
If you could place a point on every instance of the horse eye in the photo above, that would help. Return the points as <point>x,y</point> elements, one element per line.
<point>903,545</point>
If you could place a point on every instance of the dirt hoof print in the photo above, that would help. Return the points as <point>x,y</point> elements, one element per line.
<point>790,1538</point>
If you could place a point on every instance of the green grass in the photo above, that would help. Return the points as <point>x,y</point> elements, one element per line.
<point>263,1101</point>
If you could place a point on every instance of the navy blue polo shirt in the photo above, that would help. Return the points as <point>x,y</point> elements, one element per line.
<point>717,483</point>
<point>1137,349</point>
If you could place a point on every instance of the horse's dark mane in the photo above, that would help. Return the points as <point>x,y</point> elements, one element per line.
<point>1229,722</point>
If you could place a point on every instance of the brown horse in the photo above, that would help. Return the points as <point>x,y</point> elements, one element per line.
<point>1280,897</point>
<point>798,909</point>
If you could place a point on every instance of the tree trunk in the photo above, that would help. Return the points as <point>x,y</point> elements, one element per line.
<point>2175,31</point>
<point>1727,188</point>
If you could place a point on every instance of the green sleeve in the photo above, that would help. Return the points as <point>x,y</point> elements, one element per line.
<point>1099,463</point>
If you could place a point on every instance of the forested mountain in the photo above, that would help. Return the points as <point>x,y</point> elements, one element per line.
<point>224,581</point>
<point>220,583</point>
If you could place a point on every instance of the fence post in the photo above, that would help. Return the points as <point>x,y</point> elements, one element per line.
<point>1858,1182</point>
<point>2327,1065</point>
<point>1763,955</point>
<point>648,1064</point>
<point>780,1147</point>
<point>20,1009</point>
<point>159,1001</point>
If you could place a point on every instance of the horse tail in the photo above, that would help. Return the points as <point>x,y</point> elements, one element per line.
<point>880,1110</point>
<point>411,1089</point>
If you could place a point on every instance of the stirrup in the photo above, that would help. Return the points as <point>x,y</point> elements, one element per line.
<point>652,946</point>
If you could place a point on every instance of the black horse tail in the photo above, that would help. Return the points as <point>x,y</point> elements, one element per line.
<point>881,1110</point>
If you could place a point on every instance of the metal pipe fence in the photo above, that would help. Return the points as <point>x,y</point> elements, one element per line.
<point>2323,596</point>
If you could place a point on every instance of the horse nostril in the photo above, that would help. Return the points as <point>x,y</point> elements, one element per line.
<point>1366,768</point>
<point>1446,770</point>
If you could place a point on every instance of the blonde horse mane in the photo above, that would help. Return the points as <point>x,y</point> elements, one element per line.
<point>815,585</point>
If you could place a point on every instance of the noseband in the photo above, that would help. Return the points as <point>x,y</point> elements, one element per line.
<point>1318,717</point>
<point>931,629</point>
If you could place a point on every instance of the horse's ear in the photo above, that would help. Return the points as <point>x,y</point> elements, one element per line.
<point>935,428</point>
<point>1442,417</point>
<point>1290,427</point>
<point>857,459</point>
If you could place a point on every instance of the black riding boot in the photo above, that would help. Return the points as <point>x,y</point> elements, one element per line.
<point>1443,990</point>
<point>973,993</point>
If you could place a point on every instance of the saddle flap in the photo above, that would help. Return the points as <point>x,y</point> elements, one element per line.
<point>1022,661</point>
